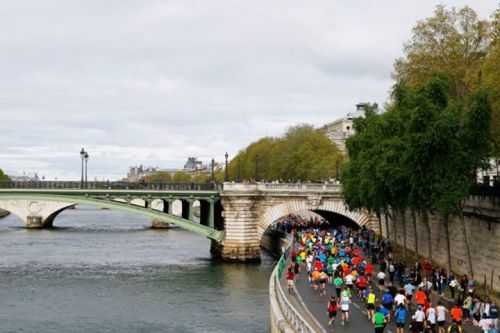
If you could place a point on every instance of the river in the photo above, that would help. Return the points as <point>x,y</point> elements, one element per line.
<point>106,271</point>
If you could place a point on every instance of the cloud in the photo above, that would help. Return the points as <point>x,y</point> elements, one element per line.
<point>154,82</point>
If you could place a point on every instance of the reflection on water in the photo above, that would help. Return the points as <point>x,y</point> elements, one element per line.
<point>106,271</point>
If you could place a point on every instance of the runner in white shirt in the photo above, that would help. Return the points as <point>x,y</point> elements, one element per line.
<point>381,278</point>
<point>345,302</point>
<point>419,318</point>
<point>431,318</point>
<point>400,298</point>
<point>441,317</point>
<point>349,281</point>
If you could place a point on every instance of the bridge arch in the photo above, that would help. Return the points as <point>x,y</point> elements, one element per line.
<point>59,203</point>
<point>325,208</point>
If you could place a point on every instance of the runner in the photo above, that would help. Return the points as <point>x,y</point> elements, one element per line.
<point>441,317</point>
<point>332,310</point>
<point>370,304</point>
<point>431,319</point>
<point>338,282</point>
<point>387,301</point>
<point>290,277</point>
<point>345,302</point>
<point>381,278</point>
<point>400,317</point>
<point>456,314</point>
<point>419,319</point>
<point>379,322</point>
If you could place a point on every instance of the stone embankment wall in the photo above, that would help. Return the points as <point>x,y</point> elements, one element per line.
<point>3,213</point>
<point>474,240</point>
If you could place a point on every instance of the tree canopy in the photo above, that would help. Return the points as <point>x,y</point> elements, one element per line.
<point>462,47</point>
<point>3,176</point>
<point>421,155</point>
<point>158,177</point>
<point>302,154</point>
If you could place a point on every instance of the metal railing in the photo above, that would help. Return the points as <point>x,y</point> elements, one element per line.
<point>116,185</point>
<point>283,187</point>
<point>292,318</point>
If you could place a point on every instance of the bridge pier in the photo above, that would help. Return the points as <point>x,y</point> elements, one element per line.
<point>241,242</point>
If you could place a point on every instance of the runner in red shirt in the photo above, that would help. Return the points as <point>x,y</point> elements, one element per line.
<point>361,283</point>
<point>290,278</point>
<point>369,271</point>
<point>420,297</point>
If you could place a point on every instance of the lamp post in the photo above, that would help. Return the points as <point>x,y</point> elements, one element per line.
<point>86,161</point>
<point>213,170</point>
<point>82,156</point>
<point>225,168</point>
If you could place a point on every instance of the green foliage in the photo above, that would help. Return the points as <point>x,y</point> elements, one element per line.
<point>158,177</point>
<point>201,178</point>
<point>3,176</point>
<point>421,154</point>
<point>302,154</point>
<point>182,177</point>
<point>452,42</point>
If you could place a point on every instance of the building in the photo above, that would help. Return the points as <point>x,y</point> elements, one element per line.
<point>136,173</point>
<point>193,164</point>
<point>339,130</point>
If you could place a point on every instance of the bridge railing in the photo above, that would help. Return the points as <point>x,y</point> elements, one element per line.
<point>119,185</point>
<point>284,187</point>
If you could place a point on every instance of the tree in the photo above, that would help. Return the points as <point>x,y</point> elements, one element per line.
<point>452,42</point>
<point>182,177</point>
<point>302,154</point>
<point>421,155</point>
<point>491,81</point>
<point>201,178</point>
<point>158,177</point>
<point>3,176</point>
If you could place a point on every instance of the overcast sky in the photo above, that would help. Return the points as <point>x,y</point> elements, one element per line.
<point>153,82</point>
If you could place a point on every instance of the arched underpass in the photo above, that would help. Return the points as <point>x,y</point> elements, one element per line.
<point>274,240</point>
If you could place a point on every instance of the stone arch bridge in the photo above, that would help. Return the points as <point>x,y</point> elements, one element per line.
<point>233,216</point>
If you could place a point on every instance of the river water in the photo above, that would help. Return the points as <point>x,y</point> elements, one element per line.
<point>106,271</point>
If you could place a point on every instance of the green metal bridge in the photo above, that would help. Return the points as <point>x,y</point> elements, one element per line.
<point>26,199</point>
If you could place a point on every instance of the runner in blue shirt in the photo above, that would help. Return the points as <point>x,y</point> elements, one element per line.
<point>400,317</point>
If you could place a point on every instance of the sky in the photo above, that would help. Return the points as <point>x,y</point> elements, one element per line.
<point>154,81</point>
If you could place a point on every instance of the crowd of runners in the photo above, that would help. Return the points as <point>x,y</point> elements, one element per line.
<point>343,265</point>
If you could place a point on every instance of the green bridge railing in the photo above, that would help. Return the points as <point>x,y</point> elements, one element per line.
<point>118,185</point>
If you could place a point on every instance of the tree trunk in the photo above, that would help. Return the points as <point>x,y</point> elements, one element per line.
<point>415,231</point>
<point>395,228</point>
<point>427,223</point>
<point>446,224</point>
<point>403,219</point>
<point>467,246</point>
<point>386,218</point>
<point>380,224</point>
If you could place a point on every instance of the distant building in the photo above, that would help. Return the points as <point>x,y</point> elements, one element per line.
<point>193,164</point>
<point>136,173</point>
<point>26,178</point>
<point>339,130</point>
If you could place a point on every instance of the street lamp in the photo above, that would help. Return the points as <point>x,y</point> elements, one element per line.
<point>213,170</point>
<point>225,169</point>
<point>82,156</point>
<point>86,161</point>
